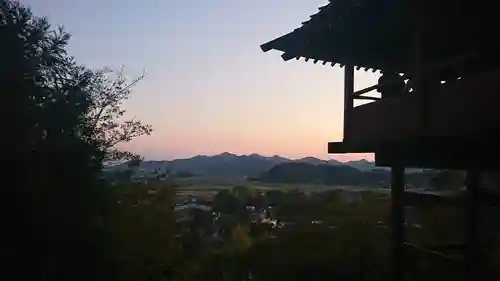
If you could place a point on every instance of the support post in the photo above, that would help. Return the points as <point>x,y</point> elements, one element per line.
<point>419,79</point>
<point>398,222</point>
<point>348,98</point>
<point>472,182</point>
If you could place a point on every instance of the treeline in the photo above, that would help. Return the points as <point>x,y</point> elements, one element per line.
<point>331,235</point>
<point>340,244</point>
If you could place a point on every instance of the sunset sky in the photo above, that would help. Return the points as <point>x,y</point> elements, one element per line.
<point>209,88</point>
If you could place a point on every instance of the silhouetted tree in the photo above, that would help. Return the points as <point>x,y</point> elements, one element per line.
<point>227,202</point>
<point>244,193</point>
<point>107,90</point>
<point>56,145</point>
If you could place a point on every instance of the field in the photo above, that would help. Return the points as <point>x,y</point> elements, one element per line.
<point>206,189</point>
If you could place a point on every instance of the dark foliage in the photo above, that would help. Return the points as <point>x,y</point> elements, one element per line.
<point>54,152</point>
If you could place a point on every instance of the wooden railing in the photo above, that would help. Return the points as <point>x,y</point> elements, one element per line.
<point>385,119</point>
<point>456,107</point>
<point>428,71</point>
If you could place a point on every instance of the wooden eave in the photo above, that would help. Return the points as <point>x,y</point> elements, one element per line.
<point>381,34</point>
<point>321,39</point>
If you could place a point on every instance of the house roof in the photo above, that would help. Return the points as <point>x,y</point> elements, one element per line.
<point>380,34</point>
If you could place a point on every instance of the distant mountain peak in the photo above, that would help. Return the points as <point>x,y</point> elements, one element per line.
<point>227,154</point>
<point>362,164</point>
<point>311,160</point>
<point>255,155</point>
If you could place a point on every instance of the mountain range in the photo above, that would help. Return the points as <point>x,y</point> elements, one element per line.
<point>230,165</point>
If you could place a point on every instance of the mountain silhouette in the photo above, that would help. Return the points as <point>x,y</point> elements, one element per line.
<point>229,165</point>
<point>302,172</point>
<point>346,174</point>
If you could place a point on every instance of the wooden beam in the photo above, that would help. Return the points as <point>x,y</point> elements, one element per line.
<point>419,82</point>
<point>287,56</point>
<point>398,222</point>
<point>453,152</point>
<point>418,198</point>
<point>484,197</point>
<point>344,147</point>
<point>472,237</point>
<point>348,98</point>
<point>365,90</point>
<point>366,98</point>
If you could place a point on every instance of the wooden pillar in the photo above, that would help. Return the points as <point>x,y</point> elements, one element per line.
<point>419,75</point>
<point>472,244</point>
<point>398,222</point>
<point>348,98</point>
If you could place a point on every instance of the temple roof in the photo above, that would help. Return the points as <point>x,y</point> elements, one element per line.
<point>380,34</point>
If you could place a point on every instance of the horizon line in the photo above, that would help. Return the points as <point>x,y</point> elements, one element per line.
<point>263,155</point>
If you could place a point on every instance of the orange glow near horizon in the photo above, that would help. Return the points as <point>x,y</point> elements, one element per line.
<point>209,88</point>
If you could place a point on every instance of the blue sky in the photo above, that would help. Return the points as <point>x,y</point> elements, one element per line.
<point>209,88</point>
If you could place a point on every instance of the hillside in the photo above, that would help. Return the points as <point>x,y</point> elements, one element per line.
<point>306,173</point>
<point>295,172</point>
